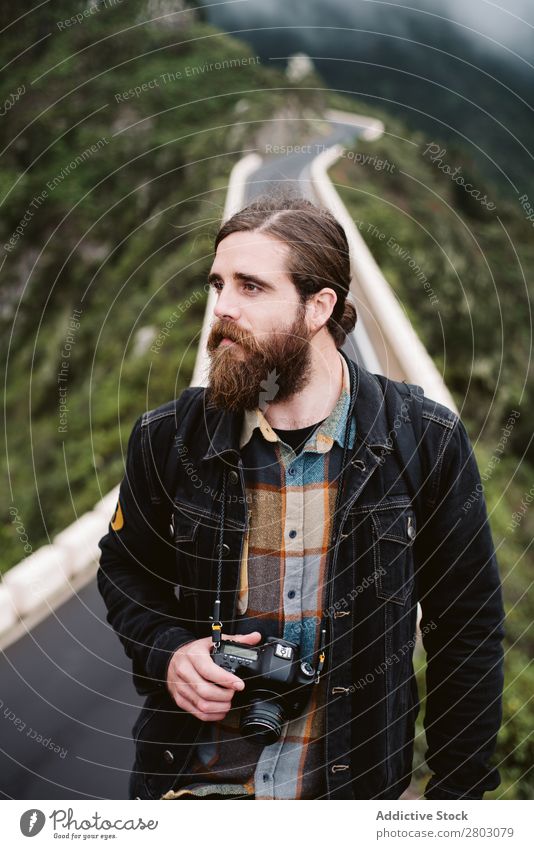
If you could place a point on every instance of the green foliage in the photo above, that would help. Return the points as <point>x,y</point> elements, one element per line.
<point>123,234</point>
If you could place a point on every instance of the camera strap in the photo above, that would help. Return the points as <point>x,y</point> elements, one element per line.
<point>216,625</point>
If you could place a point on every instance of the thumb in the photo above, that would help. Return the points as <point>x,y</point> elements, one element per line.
<point>252,637</point>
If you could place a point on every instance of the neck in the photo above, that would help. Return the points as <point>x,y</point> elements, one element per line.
<point>318,398</point>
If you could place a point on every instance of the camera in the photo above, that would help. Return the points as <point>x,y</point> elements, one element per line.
<point>277,684</point>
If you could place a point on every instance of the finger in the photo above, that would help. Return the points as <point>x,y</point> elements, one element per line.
<point>209,671</point>
<point>198,686</point>
<point>252,637</point>
<point>185,672</point>
<point>199,660</point>
<point>205,717</point>
<point>201,704</point>
<point>213,692</point>
<point>203,688</point>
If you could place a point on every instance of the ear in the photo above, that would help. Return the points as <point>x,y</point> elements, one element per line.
<point>320,307</point>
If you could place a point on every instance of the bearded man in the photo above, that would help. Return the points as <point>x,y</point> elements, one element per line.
<point>297,509</point>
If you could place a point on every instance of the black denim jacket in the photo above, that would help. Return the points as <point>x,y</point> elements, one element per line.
<point>391,551</point>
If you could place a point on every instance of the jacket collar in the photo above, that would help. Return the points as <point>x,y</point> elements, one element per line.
<point>366,406</point>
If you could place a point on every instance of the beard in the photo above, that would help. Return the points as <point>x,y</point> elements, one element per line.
<point>258,370</point>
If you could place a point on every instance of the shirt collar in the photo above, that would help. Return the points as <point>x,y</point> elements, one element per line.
<point>332,429</point>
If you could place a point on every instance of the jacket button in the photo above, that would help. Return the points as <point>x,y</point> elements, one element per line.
<point>233,477</point>
<point>339,767</point>
<point>338,613</point>
<point>336,690</point>
<point>359,464</point>
<point>168,756</point>
<point>225,550</point>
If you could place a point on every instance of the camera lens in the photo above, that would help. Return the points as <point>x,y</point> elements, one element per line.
<point>262,721</point>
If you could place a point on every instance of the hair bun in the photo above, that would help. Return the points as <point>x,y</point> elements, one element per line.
<point>349,318</point>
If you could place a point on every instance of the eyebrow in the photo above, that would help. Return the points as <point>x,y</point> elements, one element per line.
<point>239,275</point>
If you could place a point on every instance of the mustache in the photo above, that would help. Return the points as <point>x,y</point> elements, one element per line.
<point>226,330</point>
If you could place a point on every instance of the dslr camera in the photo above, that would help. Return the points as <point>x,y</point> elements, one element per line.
<point>277,684</point>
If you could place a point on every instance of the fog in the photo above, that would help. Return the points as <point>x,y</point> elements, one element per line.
<point>459,70</point>
<point>487,26</point>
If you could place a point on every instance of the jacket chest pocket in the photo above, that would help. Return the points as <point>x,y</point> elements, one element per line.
<point>185,533</point>
<point>194,539</point>
<point>393,531</point>
<point>185,537</point>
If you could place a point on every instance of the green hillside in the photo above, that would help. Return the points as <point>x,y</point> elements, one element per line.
<point>113,183</point>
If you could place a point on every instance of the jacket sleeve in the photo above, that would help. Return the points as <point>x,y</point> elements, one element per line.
<point>462,626</point>
<point>137,573</point>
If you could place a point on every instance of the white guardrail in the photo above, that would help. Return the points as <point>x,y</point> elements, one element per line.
<point>46,578</point>
<point>401,353</point>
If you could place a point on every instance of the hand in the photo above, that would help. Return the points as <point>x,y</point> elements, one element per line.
<point>198,685</point>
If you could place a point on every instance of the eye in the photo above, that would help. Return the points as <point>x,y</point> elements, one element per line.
<point>215,284</point>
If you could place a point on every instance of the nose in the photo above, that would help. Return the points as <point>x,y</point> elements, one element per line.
<point>227,305</point>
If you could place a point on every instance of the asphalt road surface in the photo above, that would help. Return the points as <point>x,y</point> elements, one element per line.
<point>68,707</point>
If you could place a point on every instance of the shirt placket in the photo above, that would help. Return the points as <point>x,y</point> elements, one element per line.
<point>293,540</point>
<point>293,574</point>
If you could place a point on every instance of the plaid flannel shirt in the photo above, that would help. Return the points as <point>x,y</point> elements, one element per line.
<point>282,588</point>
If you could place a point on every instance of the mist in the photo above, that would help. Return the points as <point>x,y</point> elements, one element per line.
<point>459,70</point>
<point>486,26</point>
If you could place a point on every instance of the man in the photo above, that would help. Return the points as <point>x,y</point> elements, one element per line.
<point>292,503</point>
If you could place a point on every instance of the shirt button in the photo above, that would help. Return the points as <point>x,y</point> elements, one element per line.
<point>292,534</point>
<point>291,594</point>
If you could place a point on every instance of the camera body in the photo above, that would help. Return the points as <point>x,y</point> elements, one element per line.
<point>277,684</point>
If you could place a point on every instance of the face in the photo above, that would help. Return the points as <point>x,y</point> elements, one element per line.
<point>259,344</point>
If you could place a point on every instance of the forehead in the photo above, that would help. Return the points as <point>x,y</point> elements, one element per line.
<point>254,252</point>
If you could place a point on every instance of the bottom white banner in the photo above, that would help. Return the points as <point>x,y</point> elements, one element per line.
<point>352,823</point>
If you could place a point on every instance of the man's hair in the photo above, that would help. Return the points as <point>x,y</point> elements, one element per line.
<point>318,255</point>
